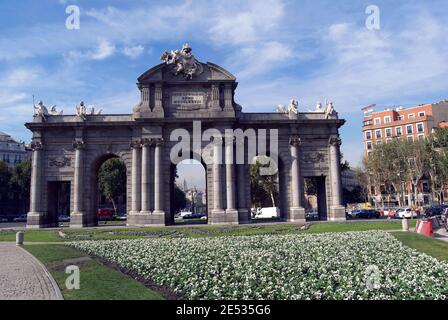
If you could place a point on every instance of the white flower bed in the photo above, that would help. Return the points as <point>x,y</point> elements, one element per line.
<point>312,266</point>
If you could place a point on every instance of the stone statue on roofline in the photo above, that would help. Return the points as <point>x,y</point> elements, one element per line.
<point>319,107</point>
<point>41,111</point>
<point>183,62</point>
<point>329,111</point>
<point>81,111</point>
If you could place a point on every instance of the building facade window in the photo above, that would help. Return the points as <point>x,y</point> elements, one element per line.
<point>420,127</point>
<point>388,132</point>
<point>398,131</point>
<point>377,121</point>
<point>409,129</point>
<point>411,138</point>
<point>369,145</point>
<point>387,119</point>
<point>368,135</point>
<point>421,137</point>
<point>378,134</point>
<point>421,114</point>
<point>411,116</point>
<point>401,117</point>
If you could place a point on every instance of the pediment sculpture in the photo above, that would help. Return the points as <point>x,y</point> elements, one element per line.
<point>183,62</point>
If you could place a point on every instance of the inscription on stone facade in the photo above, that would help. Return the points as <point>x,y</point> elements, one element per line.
<point>187,100</point>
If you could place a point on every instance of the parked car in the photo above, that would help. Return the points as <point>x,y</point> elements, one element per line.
<point>121,218</point>
<point>312,214</point>
<point>3,219</point>
<point>405,213</point>
<point>184,214</point>
<point>64,218</point>
<point>21,218</point>
<point>364,214</point>
<point>105,214</point>
<point>435,210</point>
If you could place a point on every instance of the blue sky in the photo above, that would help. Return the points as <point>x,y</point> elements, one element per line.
<point>278,50</point>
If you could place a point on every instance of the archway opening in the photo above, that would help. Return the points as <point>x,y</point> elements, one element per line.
<point>58,203</point>
<point>189,193</point>
<point>110,196</point>
<point>315,198</point>
<point>265,190</point>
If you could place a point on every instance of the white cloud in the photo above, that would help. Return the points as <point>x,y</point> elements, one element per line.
<point>133,52</point>
<point>245,22</point>
<point>251,61</point>
<point>104,50</point>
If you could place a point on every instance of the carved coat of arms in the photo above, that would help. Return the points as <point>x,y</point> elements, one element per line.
<point>183,62</point>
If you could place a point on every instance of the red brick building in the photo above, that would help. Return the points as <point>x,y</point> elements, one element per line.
<point>405,123</point>
<point>408,123</point>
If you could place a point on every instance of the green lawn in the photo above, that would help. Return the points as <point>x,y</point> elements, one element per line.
<point>433,247</point>
<point>97,281</point>
<point>198,231</point>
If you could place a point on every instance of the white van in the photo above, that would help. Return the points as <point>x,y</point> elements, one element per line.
<point>265,213</point>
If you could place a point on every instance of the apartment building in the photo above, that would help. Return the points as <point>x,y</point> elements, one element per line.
<point>406,123</point>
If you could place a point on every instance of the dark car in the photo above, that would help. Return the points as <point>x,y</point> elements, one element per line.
<point>367,214</point>
<point>435,210</point>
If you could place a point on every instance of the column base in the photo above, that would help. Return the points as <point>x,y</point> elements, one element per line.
<point>146,219</point>
<point>37,220</point>
<point>223,217</point>
<point>337,213</point>
<point>244,216</point>
<point>81,220</point>
<point>296,215</point>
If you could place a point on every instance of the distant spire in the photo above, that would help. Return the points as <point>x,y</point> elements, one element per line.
<point>185,185</point>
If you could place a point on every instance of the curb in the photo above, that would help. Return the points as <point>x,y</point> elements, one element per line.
<point>49,276</point>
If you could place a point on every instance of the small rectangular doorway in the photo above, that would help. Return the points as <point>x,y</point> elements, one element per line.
<point>315,198</point>
<point>58,201</point>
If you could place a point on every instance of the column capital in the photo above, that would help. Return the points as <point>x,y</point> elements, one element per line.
<point>136,144</point>
<point>335,141</point>
<point>146,142</point>
<point>295,140</point>
<point>157,141</point>
<point>78,144</point>
<point>37,145</point>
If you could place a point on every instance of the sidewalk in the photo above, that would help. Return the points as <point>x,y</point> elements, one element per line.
<point>441,234</point>
<point>23,277</point>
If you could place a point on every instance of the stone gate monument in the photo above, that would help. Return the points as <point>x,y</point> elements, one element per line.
<point>178,94</point>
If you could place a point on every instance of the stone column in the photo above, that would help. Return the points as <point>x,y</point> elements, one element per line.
<point>231,212</point>
<point>78,216</point>
<point>158,177</point>
<point>146,179</point>
<point>337,211</point>
<point>36,216</point>
<point>243,211</point>
<point>297,212</point>
<point>218,214</point>
<point>136,177</point>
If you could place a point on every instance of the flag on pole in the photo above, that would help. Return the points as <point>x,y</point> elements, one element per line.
<point>369,108</point>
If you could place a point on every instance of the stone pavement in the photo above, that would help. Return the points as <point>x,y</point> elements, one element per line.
<point>441,234</point>
<point>23,277</point>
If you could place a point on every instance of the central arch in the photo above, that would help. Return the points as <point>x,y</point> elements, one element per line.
<point>96,200</point>
<point>196,192</point>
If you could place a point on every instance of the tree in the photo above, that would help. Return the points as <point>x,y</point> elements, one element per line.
<point>5,176</point>
<point>180,201</point>
<point>112,180</point>
<point>263,186</point>
<point>21,181</point>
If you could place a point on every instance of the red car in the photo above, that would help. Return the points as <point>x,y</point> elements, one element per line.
<point>105,214</point>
